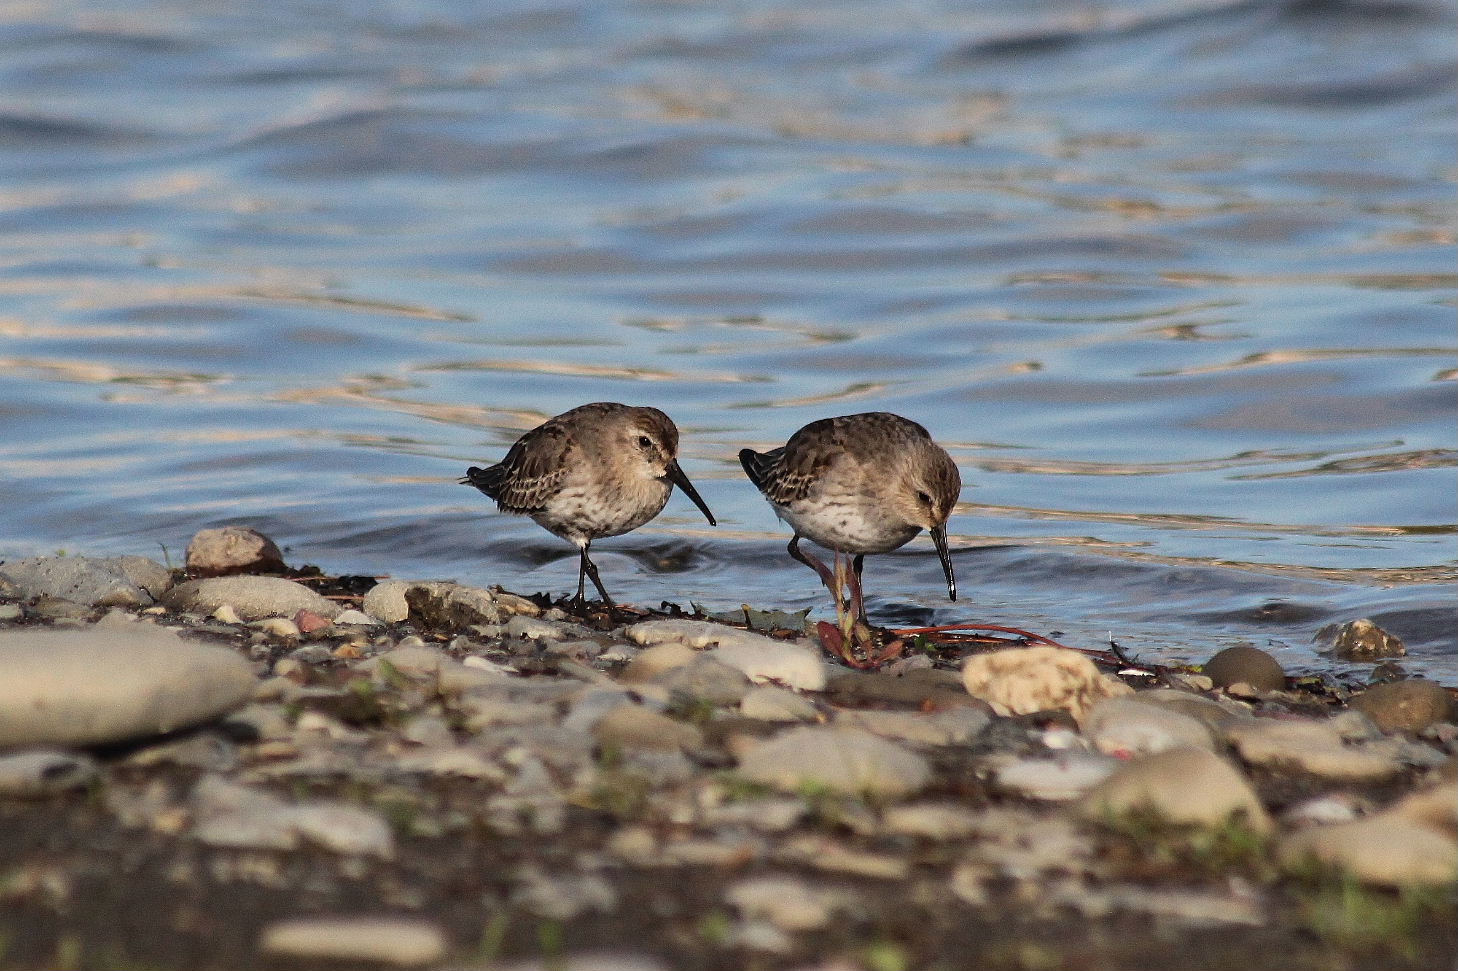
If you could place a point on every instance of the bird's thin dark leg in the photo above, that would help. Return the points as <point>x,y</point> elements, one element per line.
<point>591,570</point>
<point>581,578</point>
<point>858,600</point>
<point>827,577</point>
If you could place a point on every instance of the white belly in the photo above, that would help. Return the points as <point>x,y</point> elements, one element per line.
<point>850,526</point>
<point>583,513</point>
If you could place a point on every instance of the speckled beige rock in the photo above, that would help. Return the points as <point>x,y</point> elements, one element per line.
<point>232,549</point>
<point>121,581</point>
<point>1362,640</point>
<point>1029,679</point>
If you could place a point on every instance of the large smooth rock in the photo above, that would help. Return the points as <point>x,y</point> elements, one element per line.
<point>251,598</point>
<point>794,664</point>
<point>694,633</point>
<point>1181,785</point>
<point>1215,713</point>
<point>655,660</point>
<point>1127,726</point>
<point>843,760</point>
<point>122,581</point>
<point>1310,746</point>
<point>92,686</point>
<point>1023,680</point>
<point>1381,849</point>
<point>232,549</point>
<point>1435,807</point>
<point>705,679</point>
<point>763,659</point>
<point>925,689</point>
<point>635,727</point>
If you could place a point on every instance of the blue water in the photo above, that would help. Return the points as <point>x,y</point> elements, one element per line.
<point>1173,281</point>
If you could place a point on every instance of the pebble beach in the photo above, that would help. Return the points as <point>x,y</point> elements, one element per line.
<point>238,763</point>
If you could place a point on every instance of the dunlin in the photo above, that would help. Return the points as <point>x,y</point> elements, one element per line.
<point>859,484</point>
<point>602,469</point>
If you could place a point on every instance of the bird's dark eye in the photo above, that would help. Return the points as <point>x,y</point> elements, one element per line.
<point>644,442</point>
<point>923,498</point>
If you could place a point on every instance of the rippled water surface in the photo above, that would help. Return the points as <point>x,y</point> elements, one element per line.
<point>1173,280</point>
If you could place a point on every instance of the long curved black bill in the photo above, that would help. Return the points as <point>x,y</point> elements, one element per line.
<point>939,537</point>
<point>676,476</point>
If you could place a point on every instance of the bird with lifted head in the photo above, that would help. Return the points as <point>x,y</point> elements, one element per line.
<point>601,469</point>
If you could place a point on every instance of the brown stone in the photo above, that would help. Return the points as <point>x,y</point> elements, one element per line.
<point>1405,706</point>
<point>232,549</point>
<point>1245,665</point>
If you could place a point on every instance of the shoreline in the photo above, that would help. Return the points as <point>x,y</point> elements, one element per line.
<point>427,774</point>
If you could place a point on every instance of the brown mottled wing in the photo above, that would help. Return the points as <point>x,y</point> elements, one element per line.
<point>760,466</point>
<point>786,474</point>
<point>532,472</point>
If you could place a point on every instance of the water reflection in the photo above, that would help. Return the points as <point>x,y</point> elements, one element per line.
<point>1171,279</point>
